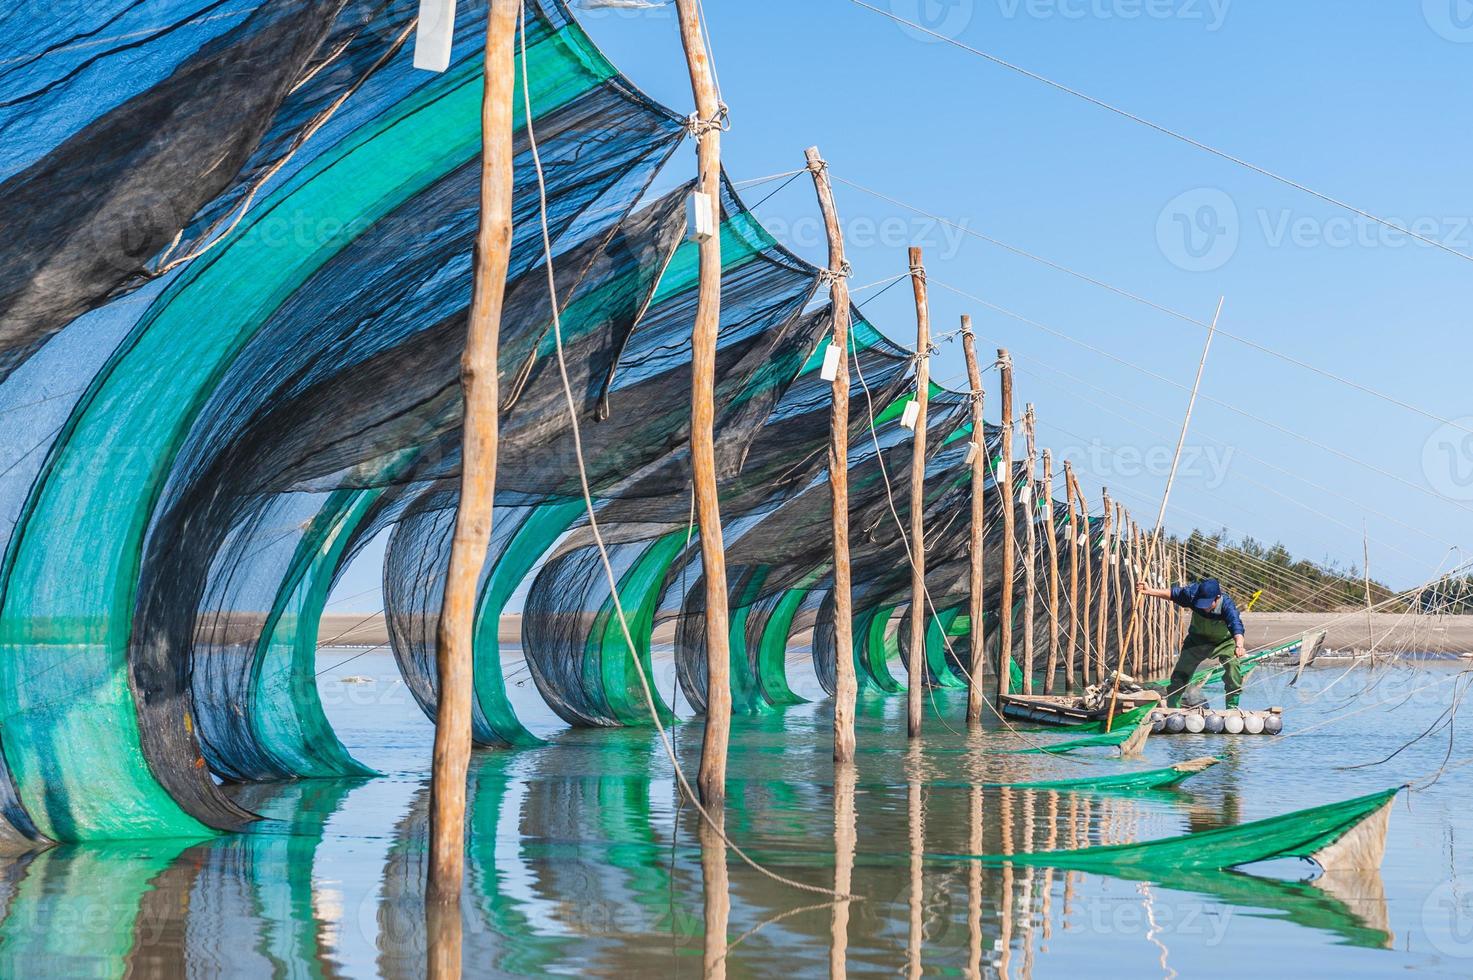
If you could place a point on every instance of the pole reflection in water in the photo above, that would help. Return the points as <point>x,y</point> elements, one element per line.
<point>715,896</point>
<point>916,822</point>
<point>845,836</point>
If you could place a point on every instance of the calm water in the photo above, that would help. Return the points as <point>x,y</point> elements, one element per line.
<point>582,861</point>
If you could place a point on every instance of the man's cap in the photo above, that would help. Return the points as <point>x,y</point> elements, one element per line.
<point>1208,591</point>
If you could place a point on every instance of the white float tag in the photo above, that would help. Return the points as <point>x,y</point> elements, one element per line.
<point>830,369</point>
<point>1025,494</point>
<point>911,413</point>
<point>434,34</point>
<point>1083,540</point>
<point>971,454</point>
<point>700,217</point>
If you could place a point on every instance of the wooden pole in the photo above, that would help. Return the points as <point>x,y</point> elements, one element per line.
<point>1004,479</point>
<point>472,534</point>
<point>1051,547</point>
<point>1118,580</point>
<point>712,778</point>
<point>1366,563</point>
<point>1072,647</point>
<point>975,579</point>
<point>1086,600</point>
<point>1103,614</point>
<point>846,686</point>
<point>918,616</point>
<point>1030,538</point>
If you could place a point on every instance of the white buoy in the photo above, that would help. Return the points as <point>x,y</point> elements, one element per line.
<point>1214,723</point>
<point>1253,724</point>
<point>1232,723</point>
<point>1175,724</point>
<point>1196,724</point>
<point>1158,722</point>
<point>1273,724</point>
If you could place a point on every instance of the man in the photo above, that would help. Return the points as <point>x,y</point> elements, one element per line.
<point>1216,633</point>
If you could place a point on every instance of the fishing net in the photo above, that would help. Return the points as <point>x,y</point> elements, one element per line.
<point>232,308</point>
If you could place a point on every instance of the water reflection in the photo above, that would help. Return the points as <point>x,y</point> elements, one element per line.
<point>581,859</point>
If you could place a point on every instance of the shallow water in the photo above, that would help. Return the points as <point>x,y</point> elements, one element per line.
<point>582,861</point>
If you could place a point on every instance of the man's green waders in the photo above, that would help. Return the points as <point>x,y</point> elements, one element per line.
<point>1207,638</point>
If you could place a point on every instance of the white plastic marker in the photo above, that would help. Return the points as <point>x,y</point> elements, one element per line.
<point>700,217</point>
<point>971,453</point>
<point>434,34</point>
<point>830,369</point>
<point>912,411</point>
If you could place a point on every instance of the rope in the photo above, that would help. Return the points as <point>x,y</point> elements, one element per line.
<point>644,681</point>
<point>1220,154</point>
<point>1216,401</point>
<point>165,264</point>
<point>1160,308</point>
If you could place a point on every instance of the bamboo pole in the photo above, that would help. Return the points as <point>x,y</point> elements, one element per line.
<point>1086,601</point>
<point>976,580</point>
<point>1030,538</point>
<point>1102,618</point>
<point>1117,579</point>
<point>712,778</point>
<point>918,617</point>
<point>1051,546</point>
<point>1073,645</point>
<point>846,686</point>
<point>472,534</point>
<point>1004,480</point>
<point>1366,565</point>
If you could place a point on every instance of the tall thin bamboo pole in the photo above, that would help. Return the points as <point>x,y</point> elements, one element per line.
<point>1051,547</point>
<point>975,579</point>
<point>1072,647</point>
<point>712,778</point>
<point>1086,600</point>
<point>1030,540</point>
<point>472,534</point>
<point>846,685</point>
<point>1102,618</point>
<point>1118,579</point>
<point>1004,479</point>
<point>918,614</point>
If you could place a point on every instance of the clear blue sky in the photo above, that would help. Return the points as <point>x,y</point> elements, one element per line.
<point>1362,99</point>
